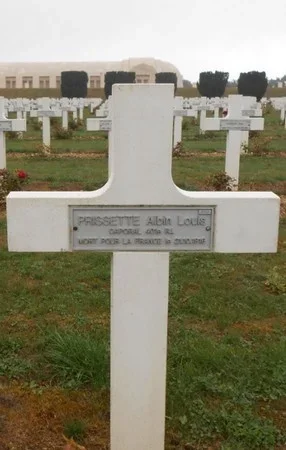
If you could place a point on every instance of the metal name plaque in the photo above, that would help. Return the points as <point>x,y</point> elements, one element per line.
<point>105,125</point>
<point>180,112</point>
<point>5,125</point>
<point>46,113</point>
<point>248,112</point>
<point>152,228</point>
<point>235,125</point>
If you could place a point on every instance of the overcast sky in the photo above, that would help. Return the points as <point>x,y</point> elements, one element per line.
<point>195,35</point>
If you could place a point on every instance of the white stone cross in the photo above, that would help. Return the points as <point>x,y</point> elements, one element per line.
<point>233,123</point>
<point>179,113</point>
<point>19,108</point>
<point>216,105</point>
<point>203,107</point>
<point>99,124</point>
<point>250,109</point>
<point>102,111</point>
<point>81,108</point>
<point>65,108</point>
<point>140,215</point>
<point>7,125</point>
<point>103,124</point>
<point>45,113</point>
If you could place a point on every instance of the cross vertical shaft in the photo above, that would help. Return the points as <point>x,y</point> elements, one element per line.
<point>139,317</point>
<point>140,162</point>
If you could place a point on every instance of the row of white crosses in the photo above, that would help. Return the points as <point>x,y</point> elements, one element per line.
<point>5,126</point>
<point>75,105</point>
<point>106,123</point>
<point>280,105</point>
<point>157,217</point>
<point>44,113</point>
<point>60,109</point>
<point>234,123</point>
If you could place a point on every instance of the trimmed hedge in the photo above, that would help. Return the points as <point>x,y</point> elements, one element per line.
<point>253,84</point>
<point>212,84</point>
<point>74,84</point>
<point>120,77</point>
<point>167,78</point>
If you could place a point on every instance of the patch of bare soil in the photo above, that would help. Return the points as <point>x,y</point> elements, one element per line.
<point>46,186</point>
<point>100,155</point>
<point>69,155</point>
<point>34,419</point>
<point>261,326</point>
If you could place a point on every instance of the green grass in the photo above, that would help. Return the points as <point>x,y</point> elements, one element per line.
<point>187,173</point>
<point>59,146</point>
<point>77,360</point>
<point>75,429</point>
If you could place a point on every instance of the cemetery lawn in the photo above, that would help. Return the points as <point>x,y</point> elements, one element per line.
<point>226,386</point>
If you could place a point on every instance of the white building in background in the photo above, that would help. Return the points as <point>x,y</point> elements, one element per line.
<point>48,74</point>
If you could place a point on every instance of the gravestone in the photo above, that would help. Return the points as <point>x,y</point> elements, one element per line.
<point>7,125</point>
<point>250,109</point>
<point>140,216</point>
<point>203,107</point>
<point>179,114</point>
<point>45,113</point>
<point>65,108</point>
<point>233,123</point>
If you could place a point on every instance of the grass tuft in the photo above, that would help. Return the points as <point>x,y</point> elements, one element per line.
<point>78,360</point>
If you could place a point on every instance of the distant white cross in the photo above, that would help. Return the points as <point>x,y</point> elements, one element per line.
<point>179,113</point>
<point>66,107</point>
<point>233,123</point>
<point>45,113</point>
<point>203,107</point>
<point>7,125</point>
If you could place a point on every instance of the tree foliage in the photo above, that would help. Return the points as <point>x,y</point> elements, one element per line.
<point>120,77</point>
<point>212,84</point>
<point>167,77</point>
<point>252,84</point>
<point>74,84</point>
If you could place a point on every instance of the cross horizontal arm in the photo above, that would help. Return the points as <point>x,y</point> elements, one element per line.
<point>211,124</point>
<point>98,124</point>
<point>245,222</point>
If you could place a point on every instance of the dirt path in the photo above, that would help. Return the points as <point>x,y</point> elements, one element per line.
<point>101,155</point>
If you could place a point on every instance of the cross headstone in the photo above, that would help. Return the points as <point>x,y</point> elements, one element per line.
<point>179,113</point>
<point>216,106</point>
<point>233,123</point>
<point>19,108</point>
<point>140,216</point>
<point>81,108</point>
<point>7,125</point>
<point>65,108</point>
<point>45,113</point>
<point>102,124</point>
<point>203,107</point>
<point>250,109</point>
